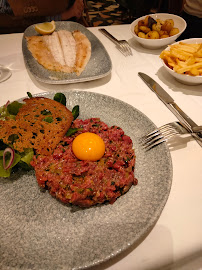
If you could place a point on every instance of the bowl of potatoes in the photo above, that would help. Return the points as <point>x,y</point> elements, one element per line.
<point>157,30</point>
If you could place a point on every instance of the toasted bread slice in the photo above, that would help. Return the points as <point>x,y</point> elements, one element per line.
<point>40,124</point>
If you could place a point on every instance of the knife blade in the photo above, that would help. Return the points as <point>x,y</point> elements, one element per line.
<point>172,106</point>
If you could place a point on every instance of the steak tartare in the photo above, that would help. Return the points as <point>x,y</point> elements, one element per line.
<point>83,182</point>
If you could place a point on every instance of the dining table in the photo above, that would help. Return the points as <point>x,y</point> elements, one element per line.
<point>175,240</point>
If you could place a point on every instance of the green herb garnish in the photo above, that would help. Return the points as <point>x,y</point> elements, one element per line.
<point>75,111</point>
<point>61,98</point>
<point>13,108</point>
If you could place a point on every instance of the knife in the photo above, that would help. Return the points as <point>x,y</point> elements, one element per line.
<point>173,107</point>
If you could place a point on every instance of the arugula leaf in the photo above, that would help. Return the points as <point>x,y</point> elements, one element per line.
<point>29,94</point>
<point>75,111</point>
<point>27,156</point>
<point>13,108</point>
<point>72,131</point>
<point>61,98</point>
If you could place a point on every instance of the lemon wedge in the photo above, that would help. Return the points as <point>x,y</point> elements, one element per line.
<point>45,28</point>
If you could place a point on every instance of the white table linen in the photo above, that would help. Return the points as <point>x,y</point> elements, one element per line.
<point>175,242</point>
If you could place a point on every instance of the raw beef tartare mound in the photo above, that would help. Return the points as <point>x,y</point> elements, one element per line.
<point>83,182</point>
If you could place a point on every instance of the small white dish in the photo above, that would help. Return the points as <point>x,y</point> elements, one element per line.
<point>183,78</point>
<point>5,73</point>
<point>179,22</point>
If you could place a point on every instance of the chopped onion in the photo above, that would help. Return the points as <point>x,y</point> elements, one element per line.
<point>12,152</point>
<point>5,106</point>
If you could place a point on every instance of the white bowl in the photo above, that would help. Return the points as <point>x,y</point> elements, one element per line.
<point>179,22</point>
<point>183,78</point>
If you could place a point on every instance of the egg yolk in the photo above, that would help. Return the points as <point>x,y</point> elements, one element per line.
<point>88,146</point>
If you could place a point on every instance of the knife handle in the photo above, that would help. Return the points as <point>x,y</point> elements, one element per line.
<point>197,129</point>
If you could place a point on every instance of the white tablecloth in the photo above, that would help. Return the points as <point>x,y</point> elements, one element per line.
<point>176,240</point>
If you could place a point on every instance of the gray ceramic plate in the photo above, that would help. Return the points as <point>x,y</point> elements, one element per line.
<point>39,232</point>
<point>98,66</point>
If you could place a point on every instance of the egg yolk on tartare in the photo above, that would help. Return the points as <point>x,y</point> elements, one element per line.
<point>88,146</point>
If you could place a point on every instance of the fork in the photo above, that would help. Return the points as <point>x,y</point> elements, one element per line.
<point>162,134</point>
<point>122,45</point>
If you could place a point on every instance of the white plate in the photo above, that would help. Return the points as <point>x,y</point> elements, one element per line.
<point>98,66</point>
<point>183,78</point>
<point>39,232</point>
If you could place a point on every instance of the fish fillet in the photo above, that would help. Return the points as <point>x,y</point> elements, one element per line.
<point>83,51</point>
<point>68,44</point>
<point>61,51</point>
<point>54,46</point>
<point>43,55</point>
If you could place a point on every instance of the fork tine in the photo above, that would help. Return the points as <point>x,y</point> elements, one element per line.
<point>123,45</point>
<point>129,48</point>
<point>120,48</point>
<point>155,136</point>
<point>149,135</point>
<point>126,47</point>
<point>123,48</point>
<point>151,139</point>
<point>155,143</point>
<point>158,136</point>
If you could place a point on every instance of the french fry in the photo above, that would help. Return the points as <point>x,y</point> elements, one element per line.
<point>200,71</point>
<point>181,63</point>
<point>194,71</point>
<point>184,58</point>
<point>188,68</point>
<point>190,61</point>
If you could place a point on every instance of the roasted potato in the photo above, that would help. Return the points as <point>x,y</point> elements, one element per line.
<point>160,21</point>
<point>146,20</point>
<point>155,29</point>
<point>152,35</point>
<point>136,29</point>
<point>161,33</point>
<point>140,23</point>
<point>164,36</point>
<point>168,25</point>
<point>141,35</point>
<point>144,29</point>
<point>174,31</point>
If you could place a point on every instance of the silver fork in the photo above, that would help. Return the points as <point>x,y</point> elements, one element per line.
<point>162,134</point>
<point>122,45</point>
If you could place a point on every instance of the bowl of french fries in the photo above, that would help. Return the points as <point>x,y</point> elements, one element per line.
<point>157,30</point>
<point>183,60</point>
